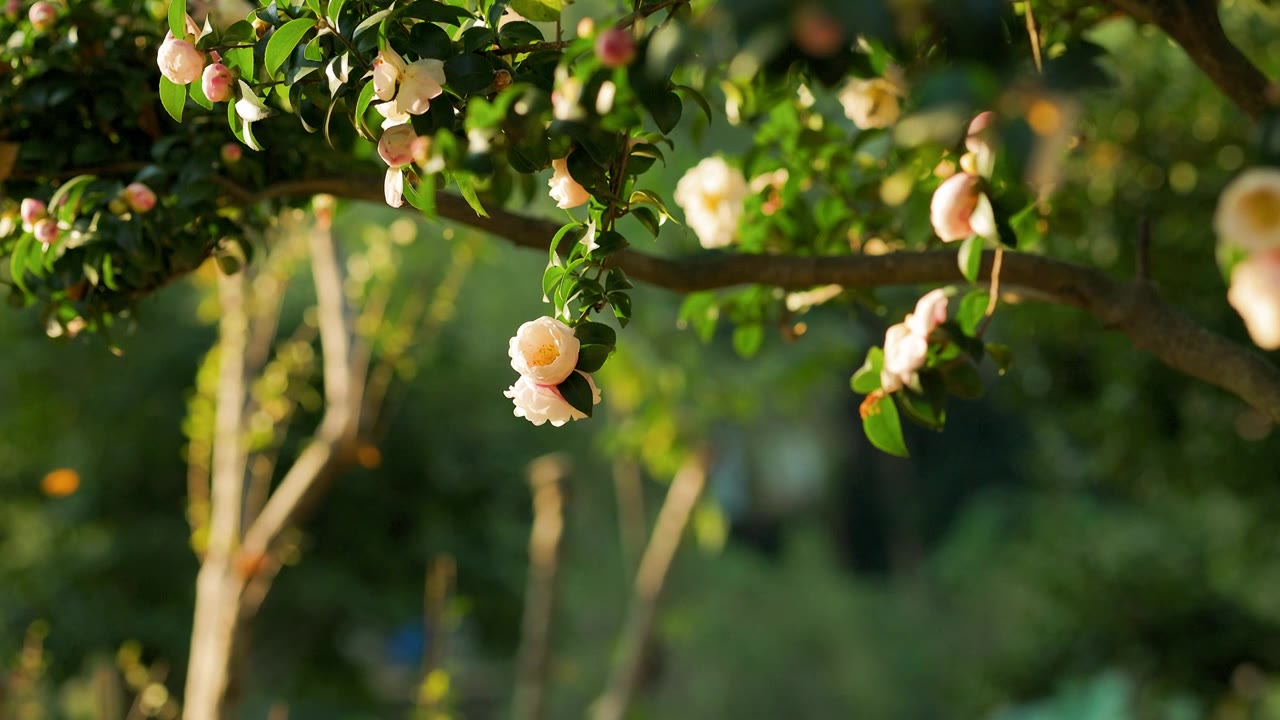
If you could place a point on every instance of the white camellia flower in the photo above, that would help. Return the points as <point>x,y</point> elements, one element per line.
<point>422,82</point>
<point>1255,294</point>
<point>564,189</point>
<point>930,312</point>
<point>904,354</point>
<point>544,350</point>
<point>874,102</point>
<point>387,68</point>
<point>543,403</point>
<point>711,194</point>
<point>395,147</point>
<point>959,209</point>
<point>1248,213</point>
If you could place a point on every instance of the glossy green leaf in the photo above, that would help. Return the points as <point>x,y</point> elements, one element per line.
<point>284,40</point>
<point>970,258</point>
<point>973,307</point>
<point>467,188</point>
<point>538,10</point>
<point>178,18</point>
<point>594,333</point>
<point>577,392</point>
<point>867,377</point>
<point>883,428</point>
<point>591,357</point>
<point>173,97</point>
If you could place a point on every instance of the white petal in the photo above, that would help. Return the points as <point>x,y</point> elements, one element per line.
<point>983,219</point>
<point>393,187</point>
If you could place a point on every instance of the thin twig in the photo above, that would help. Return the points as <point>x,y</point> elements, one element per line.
<point>1033,34</point>
<point>994,297</point>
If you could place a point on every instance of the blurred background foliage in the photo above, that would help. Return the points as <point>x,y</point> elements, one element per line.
<point>1096,538</point>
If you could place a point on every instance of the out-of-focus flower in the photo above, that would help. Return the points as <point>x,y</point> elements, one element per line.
<point>712,194</point>
<point>139,197</point>
<point>31,211</point>
<point>615,47</point>
<point>1255,294</point>
<point>815,31</point>
<point>179,60</point>
<point>960,208</point>
<point>46,230</point>
<point>904,355</point>
<point>231,153</point>
<point>1248,213</point>
<point>42,15</point>
<point>874,102</point>
<point>564,189</point>
<point>544,350</point>
<point>930,312</point>
<point>396,149</point>
<point>981,144</point>
<point>543,403</point>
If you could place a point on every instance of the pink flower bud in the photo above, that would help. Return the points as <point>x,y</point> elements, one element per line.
<point>46,231</point>
<point>615,48</point>
<point>216,82</point>
<point>960,209</point>
<point>42,15</point>
<point>815,31</point>
<point>981,132</point>
<point>139,197</point>
<point>179,60</point>
<point>396,145</point>
<point>231,154</point>
<point>32,210</point>
<point>12,8</point>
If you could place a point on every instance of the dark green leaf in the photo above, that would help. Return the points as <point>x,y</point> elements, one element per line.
<point>963,381</point>
<point>429,40</point>
<point>519,33</point>
<point>621,303</point>
<point>1002,355</point>
<point>666,111</point>
<point>928,408</point>
<point>591,357</point>
<point>467,188</point>
<point>469,73</point>
<point>577,392</point>
<point>594,333</point>
<point>648,218</point>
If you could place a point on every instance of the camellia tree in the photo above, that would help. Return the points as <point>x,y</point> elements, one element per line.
<point>888,143</point>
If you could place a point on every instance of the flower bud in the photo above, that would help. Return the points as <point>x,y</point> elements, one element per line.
<point>42,15</point>
<point>395,147</point>
<point>959,209</point>
<point>1255,294</point>
<point>32,210</point>
<point>815,31</point>
<point>216,82</point>
<point>139,197</point>
<point>179,60</point>
<point>501,80</point>
<point>46,231</point>
<point>260,27</point>
<point>615,48</point>
<point>12,8</point>
<point>231,153</point>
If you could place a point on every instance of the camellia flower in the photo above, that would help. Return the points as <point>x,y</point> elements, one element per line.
<point>543,403</point>
<point>564,189</point>
<point>179,60</point>
<point>615,47</point>
<point>711,194</point>
<point>960,208</point>
<point>1248,213</point>
<point>980,141</point>
<point>139,197</point>
<point>904,355</point>
<point>422,82</point>
<point>1255,294</point>
<point>387,68</point>
<point>42,15</point>
<point>544,350</point>
<point>12,8</point>
<point>31,211</point>
<point>396,149</point>
<point>216,82</point>
<point>46,230</point>
<point>874,102</point>
<point>930,312</point>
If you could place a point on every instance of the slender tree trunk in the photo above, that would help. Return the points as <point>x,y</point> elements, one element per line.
<point>213,667</point>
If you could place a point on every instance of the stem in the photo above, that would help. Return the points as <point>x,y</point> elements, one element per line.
<point>994,298</point>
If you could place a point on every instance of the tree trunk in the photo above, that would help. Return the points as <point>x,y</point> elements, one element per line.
<point>214,665</point>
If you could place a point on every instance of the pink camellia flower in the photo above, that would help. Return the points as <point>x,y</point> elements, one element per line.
<point>216,82</point>
<point>1255,294</point>
<point>32,210</point>
<point>930,312</point>
<point>46,230</point>
<point>615,48</point>
<point>904,355</point>
<point>42,15</point>
<point>422,81</point>
<point>387,69</point>
<point>544,350</point>
<point>231,153</point>
<point>564,189</point>
<point>959,209</point>
<point>179,60</point>
<point>139,197</point>
<point>396,149</point>
<point>543,403</point>
<point>1248,213</point>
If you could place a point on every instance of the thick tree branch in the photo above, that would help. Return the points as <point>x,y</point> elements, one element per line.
<point>1194,24</point>
<point>1132,309</point>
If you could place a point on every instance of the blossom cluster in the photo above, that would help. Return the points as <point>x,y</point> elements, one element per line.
<point>960,207</point>
<point>1247,221</point>
<point>545,353</point>
<point>906,344</point>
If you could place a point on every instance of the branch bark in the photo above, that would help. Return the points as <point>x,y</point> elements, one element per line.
<point>1132,309</point>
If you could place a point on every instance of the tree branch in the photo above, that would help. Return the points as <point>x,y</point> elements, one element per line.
<point>1194,24</point>
<point>1129,308</point>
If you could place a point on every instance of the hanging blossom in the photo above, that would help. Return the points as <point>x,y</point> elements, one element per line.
<point>874,102</point>
<point>960,207</point>
<point>178,59</point>
<point>711,194</point>
<point>906,345</point>
<point>405,89</point>
<point>545,353</point>
<point>566,191</point>
<point>1248,218</point>
<point>395,147</point>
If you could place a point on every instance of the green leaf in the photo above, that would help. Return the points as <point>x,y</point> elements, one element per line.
<point>314,6</point>
<point>469,73</point>
<point>747,339</point>
<point>696,97</point>
<point>552,258</point>
<point>467,188</point>
<point>591,357</point>
<point>371,22</point>
<point>335,13</point>
<point>883,428</point>
<point>18,260</point>
<point>1002,355</point>
<point>178,18</point>
<point>617,280</point>
<point>651,198</point>
<point>538,10</point>
<point>666,111</point>
<point>362,107</point>
<point>927,408</point>
<point>240,59</point>
<point>621,304</point>
<point>577,392</point>
<point>867,378</point>
<point>648,218</point>
<point>284,40</point>
<point>197,94</point>
<point>551,278</point>
<point>594,333</point>
<point>973,307</point>
<point>422,194</point>
<point>970,258</point>
<point>173,97</point>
